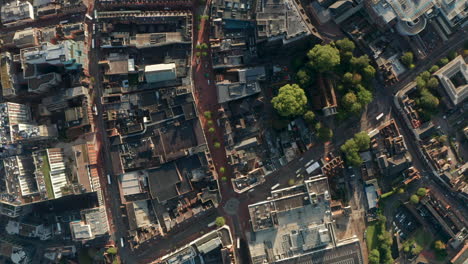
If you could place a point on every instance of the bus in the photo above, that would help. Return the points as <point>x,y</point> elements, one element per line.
<point>379,117</point>
<point>275,186</point>
<point>109,179</point>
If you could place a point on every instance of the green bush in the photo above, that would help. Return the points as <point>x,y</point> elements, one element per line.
<point>220,221</point>
<point>421,192</point>
<point>207,114</point>
<point>414,199</point>
<point>112,250</point>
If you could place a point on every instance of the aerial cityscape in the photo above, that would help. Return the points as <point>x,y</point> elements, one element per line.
<point>233,131</point>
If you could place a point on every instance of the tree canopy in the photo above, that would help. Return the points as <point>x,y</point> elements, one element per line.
<point>368,72</point>
<point>362,140</point>
<point>309,117</point>
<point>443,61</point>
<point>324,134</point>
<point>407,59</point>
<point>374,257</point>
<point>345,45</point>
<point>364,96</point>
<point>304,77</point>
<point>428,100</point>
<point>360,63</point>
<point>421,192</point>
<point>434,68</point>
<point>414,199</point>
<point>432,83</point>
<point>439,245</point>
<point>290,101</point>
<point>351,149</point>
<point>220,221</point>
<point>324,57</point>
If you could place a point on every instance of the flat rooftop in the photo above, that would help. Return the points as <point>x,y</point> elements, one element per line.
<point>295,221</point>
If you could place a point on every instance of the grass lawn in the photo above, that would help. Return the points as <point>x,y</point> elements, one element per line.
<point>371,236</point>
<point>46,172</point>
<point>422,238</point>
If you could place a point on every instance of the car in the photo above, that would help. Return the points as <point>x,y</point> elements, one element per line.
<point>298,170</point>
<point>308,163</point>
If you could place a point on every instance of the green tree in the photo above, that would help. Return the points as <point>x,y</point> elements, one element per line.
<point>368,72</point>
<point>353,159</point>
<point>204,46</point>
<point>290,101</point>
<point>345,45</point>
<point>198,54</point>
<point>452,55</point>
<point>425,75</point>
<point>220,221</point>
<point>420,82</point>
<point>317,127</point>
<point>360,63</point>
<point>309,117</point>
<point>325,134</point>
<point>416,250</point>
<point>217,144</point>
<point>385,254</point>
<point>414,199</point>
<point>421,192</point>
<point>349,146</point>
<point>357,78</point>
<point>324,57</point>
<point>432,83</point>
<point>211,130</point>
<point>222,170</point>
<point>362,140</point>
<point>304,77</point>
<point>356,108</point>
<point>207,114</point>
<point>209,122</point>
<point>374,257</point>
<point>443,62</point>
<point>439,245</point>
<point>434,68</point>
<point>348,78</point>
<point>443,139</point>
<point>349,99</point>
<point>385,238</point>
<point>198,46</point>
<point>112,250</point>
<point>346,57</point>
<point>407,59</point>
<point>364,96</point>
<point>428,100</point>
<point>204,53</point>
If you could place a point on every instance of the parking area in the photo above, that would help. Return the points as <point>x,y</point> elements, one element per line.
<point>404,223</point>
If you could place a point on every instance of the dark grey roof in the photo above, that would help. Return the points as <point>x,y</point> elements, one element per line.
<point>162,182</point>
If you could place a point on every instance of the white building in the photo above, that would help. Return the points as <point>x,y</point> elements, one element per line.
<point>454,79</point>
<point>160,72</point>
<point>15,11</point>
